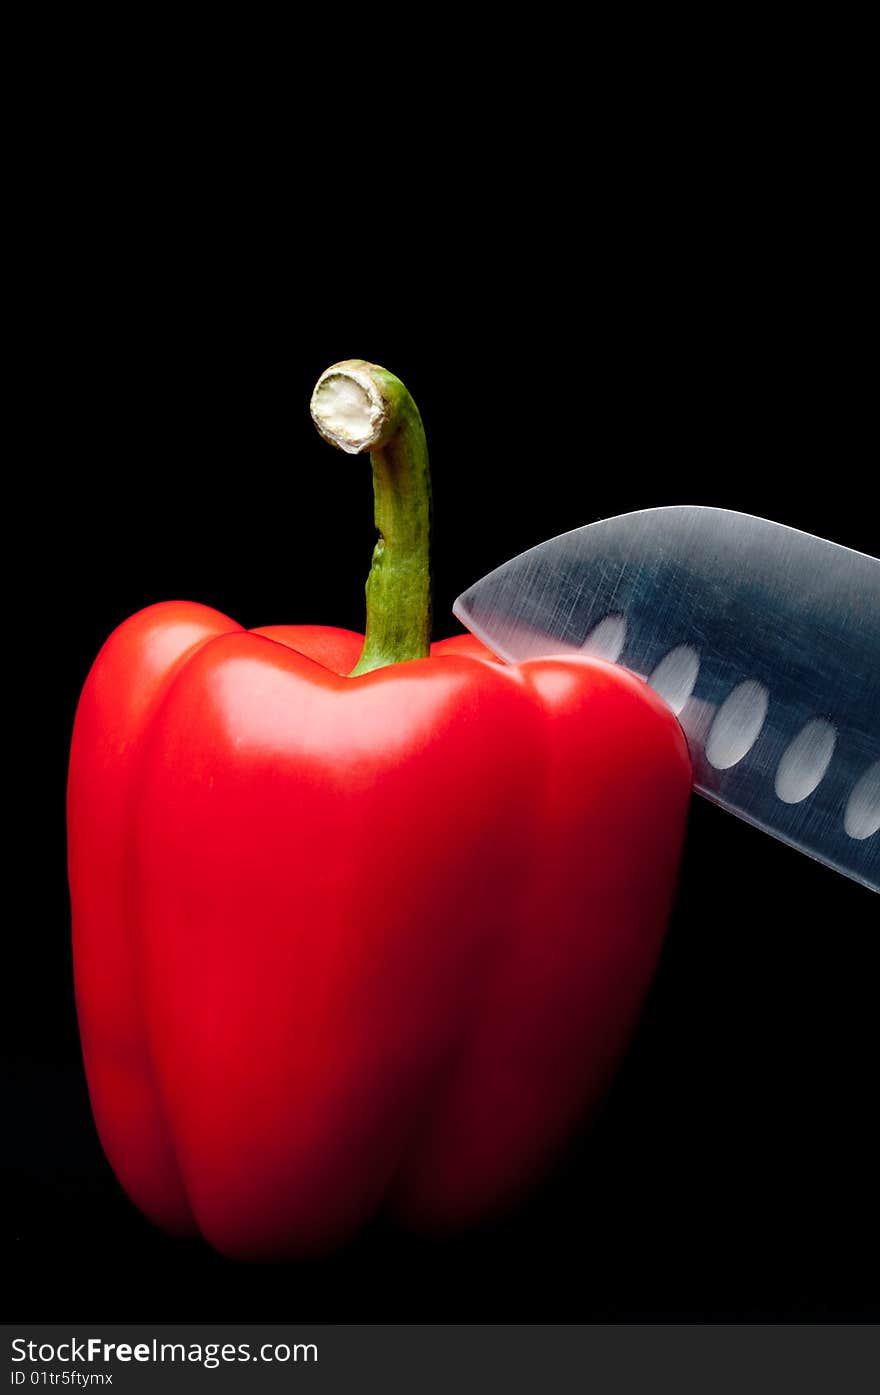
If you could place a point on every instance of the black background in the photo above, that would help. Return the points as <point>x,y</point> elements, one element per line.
<point>732,1172</point>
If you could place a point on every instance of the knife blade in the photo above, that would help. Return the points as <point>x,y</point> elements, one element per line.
<point>764,641</point>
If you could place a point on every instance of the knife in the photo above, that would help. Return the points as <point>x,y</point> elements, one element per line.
<point>764,641</point>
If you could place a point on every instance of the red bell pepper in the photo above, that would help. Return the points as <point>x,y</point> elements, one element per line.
<point>357,930</point>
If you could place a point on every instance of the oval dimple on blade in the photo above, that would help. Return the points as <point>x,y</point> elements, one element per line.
<point>765,641</point>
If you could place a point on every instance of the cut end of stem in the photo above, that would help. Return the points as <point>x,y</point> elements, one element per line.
<point>349,408</point>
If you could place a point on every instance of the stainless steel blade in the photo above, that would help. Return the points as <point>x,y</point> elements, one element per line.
<point>765,641</point>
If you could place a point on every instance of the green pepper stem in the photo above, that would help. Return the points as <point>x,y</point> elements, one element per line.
<point>358,406</point>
